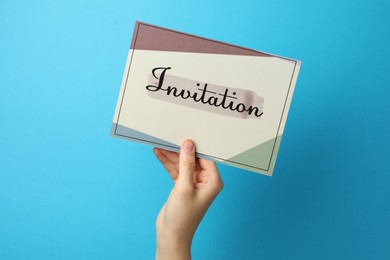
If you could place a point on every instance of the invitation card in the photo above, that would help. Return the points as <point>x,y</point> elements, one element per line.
<point>232,101</point>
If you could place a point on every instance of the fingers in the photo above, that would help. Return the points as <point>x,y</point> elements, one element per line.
<point>211,168</point>
<point>167,163</point>
<point>208,165</point>
<point>183,168</point>
<point>172,156</point>
<point>187,165</point>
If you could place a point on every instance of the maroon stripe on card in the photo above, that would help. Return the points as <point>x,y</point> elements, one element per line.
<point>150,37</point>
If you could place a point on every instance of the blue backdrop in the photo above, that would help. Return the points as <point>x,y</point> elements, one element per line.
<point>69,191</point>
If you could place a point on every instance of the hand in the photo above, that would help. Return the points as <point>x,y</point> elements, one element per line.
<point>196,184</point>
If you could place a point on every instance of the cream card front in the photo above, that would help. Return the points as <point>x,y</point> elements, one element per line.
<point>231,101</point>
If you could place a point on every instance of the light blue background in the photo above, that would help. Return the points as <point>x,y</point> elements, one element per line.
<point>69,191</point>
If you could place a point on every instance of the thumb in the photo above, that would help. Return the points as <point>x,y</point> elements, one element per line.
<point>187,164</point>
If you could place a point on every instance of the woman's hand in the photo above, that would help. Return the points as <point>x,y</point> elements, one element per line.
<point>196,184</point>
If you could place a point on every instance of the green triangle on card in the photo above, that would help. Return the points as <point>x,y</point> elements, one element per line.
<point>260,158</point>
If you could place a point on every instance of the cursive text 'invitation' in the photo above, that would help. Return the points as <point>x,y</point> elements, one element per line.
<point>212,98</point>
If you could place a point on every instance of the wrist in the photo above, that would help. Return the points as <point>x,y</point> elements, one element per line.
<point>172,247</point>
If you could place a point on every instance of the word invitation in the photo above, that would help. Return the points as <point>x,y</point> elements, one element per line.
<point>232,101</point>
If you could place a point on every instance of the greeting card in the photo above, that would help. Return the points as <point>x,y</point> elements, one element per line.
<point>232,101</point>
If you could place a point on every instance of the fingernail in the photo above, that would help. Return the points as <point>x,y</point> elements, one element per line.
<point>188,146</point>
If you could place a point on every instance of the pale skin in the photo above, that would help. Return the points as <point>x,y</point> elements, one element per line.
<point>196,184</point>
